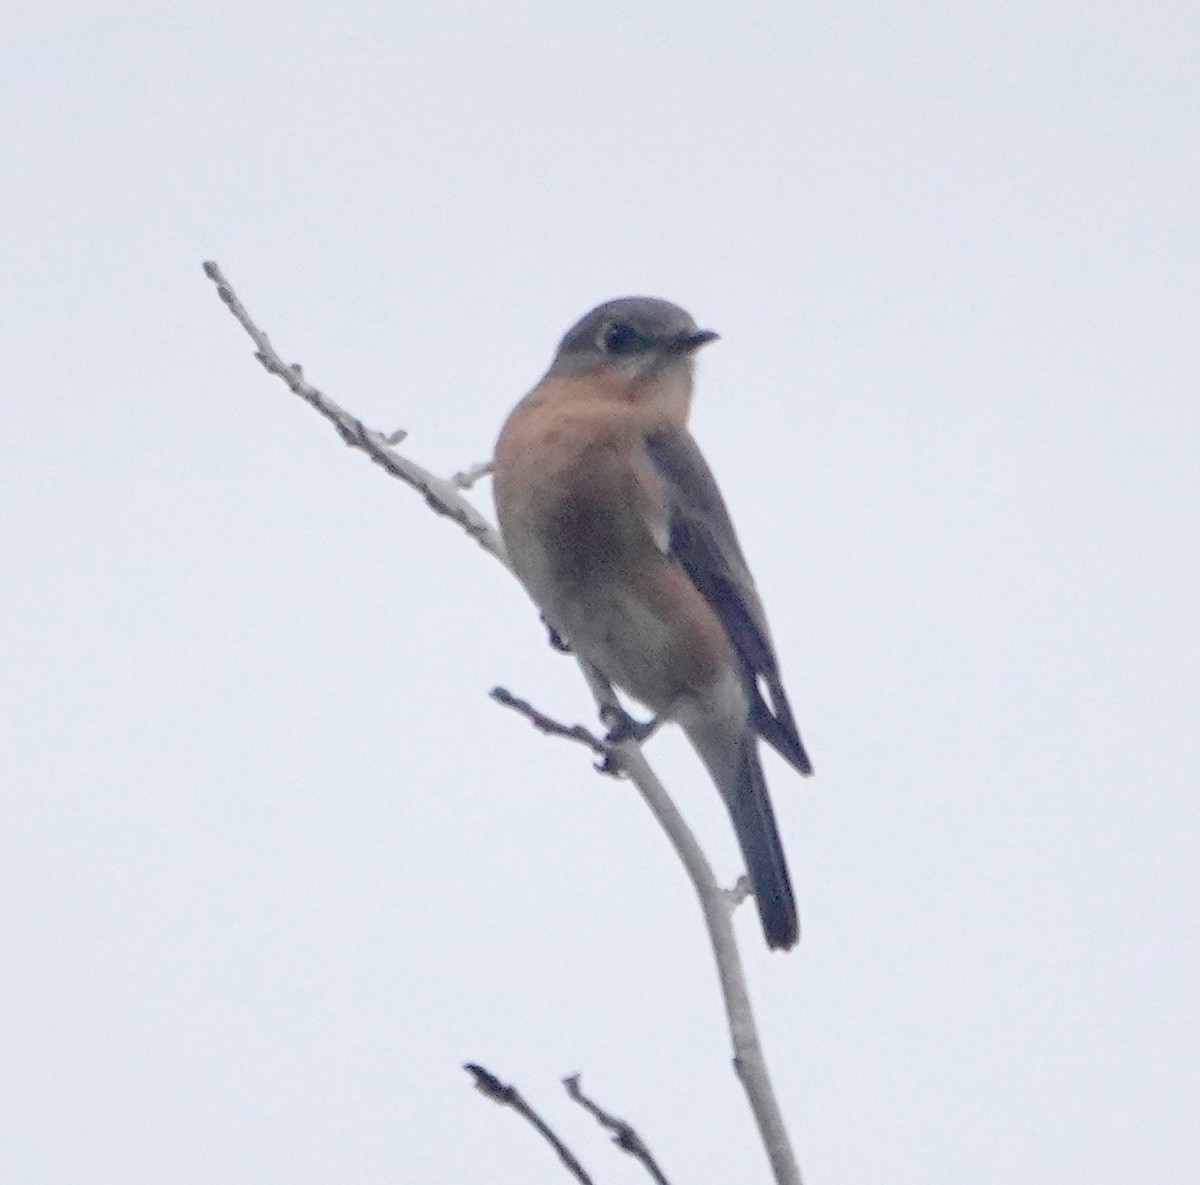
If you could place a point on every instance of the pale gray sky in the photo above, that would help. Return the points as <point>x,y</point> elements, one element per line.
<point>271,864</point>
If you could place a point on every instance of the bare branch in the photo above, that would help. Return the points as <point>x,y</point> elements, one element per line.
<point>548,725</point>
<point>445,498</point>
<point>748,1060</point>
<point>508,1096</point>
<point>440,495</point>
<point>468,477</point>
<point>624,1136</point>
<point>717,905</point>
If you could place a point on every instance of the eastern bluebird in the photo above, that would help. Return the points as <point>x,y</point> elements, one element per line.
<point>615,526</point>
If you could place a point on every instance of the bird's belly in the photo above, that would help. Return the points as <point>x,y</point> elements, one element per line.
<point>582,536</point>
<point>621,619</point>
<point>627,639</point>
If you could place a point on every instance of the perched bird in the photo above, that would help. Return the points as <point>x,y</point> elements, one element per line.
<point>615,526</point>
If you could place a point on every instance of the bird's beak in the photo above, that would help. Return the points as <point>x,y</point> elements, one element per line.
<point>689,343</point>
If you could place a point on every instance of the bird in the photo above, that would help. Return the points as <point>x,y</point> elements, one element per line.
<point>614,524</point>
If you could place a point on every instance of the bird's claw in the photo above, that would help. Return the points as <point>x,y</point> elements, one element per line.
<point>610,766</point>
<point>623,727</point>
<point>556,640</point>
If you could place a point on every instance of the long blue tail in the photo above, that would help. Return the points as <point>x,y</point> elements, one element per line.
<point>733,762</point>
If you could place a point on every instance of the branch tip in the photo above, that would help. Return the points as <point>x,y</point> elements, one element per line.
<point>508,1096</point>
<point>624,1136</point>
<point>488,1084</point>
<point>550,726</point>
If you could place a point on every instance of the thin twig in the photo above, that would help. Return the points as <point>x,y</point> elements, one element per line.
<point>508,1096</point>
<point>440,495</point>
<point>624,1136</point>
<point>465,479</point>
<point>550,726</point>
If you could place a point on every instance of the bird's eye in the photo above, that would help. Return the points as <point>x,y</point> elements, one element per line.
<point>619,338</point>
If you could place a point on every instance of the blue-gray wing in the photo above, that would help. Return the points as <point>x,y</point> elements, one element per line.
<point>703,540</point>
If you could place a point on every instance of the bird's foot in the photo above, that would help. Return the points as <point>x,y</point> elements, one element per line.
<point>556,640</point>
<point>610,766</point>
<point>623,727</point>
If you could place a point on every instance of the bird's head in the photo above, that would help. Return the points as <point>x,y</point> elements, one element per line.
<point>637,334</point>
